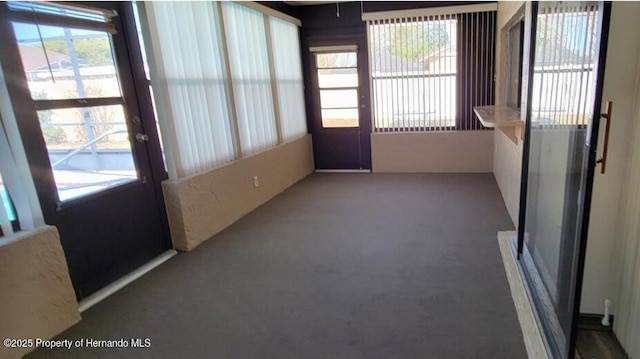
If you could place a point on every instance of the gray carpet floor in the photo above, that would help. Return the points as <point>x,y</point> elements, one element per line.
<point>338,266</point>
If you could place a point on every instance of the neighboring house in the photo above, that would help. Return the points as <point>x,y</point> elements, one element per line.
<point>386,63</point>
<point>35,62</point>
<point>442,60</point>
<point>552,53</point>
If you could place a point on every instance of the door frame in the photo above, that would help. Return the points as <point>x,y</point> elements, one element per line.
<point>136,96</point>
<point>314,121</point>
<point>589,164</point>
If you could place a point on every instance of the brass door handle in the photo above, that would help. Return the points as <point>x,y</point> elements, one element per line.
<point>605,147</point>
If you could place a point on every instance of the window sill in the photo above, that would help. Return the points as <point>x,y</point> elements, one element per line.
<point>505,118</point>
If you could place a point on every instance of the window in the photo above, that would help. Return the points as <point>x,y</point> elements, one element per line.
<point>250,76</point>
<point>74,82</point>
<point>189,82</point>
<point>430,67</point>
<point>414,73</point>
<point>286,55</point>
<point>564,67</point>
<point>227,85</point>
<point>338,88</point>
<point>515,40</point>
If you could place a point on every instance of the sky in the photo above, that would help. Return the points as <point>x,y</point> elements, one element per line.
<point>28,33</point>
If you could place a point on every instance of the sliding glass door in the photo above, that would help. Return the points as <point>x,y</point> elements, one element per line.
<point>563,114</point>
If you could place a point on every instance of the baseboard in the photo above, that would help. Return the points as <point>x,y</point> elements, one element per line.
<point>343,171</point>
<point>103,293</point>
<point>588,321</point>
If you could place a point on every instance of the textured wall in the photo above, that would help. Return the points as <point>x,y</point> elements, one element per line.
<point>454,151</point>
<point>203,205</point>
<point>37,299</point>
<point>507,157</point>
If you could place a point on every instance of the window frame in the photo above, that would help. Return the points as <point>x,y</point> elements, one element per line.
<point>518,25</point>
<point>319,88</point>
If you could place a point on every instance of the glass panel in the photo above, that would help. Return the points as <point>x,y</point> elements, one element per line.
<point>88,148</point>
<point>347,117</point>
<point>562,99</point>
<point>250,77</point>
<point>413,69</point>
<point>338,98</point>
<point>336,59</point>
<point>347,77</point>
<point>65,63</point>
<point>414,47</point>
<point>6,202</point>
<point>515,66</point>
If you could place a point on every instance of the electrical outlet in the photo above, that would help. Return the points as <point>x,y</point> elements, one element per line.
<point>256,182</point>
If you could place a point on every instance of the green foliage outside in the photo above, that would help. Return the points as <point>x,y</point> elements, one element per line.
<point>54,135</point>
<point>415,41</point>
<point>95,51</point>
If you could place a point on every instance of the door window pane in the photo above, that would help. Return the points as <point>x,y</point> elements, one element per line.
<point>67,63</point>
<point>339,99</point>
<point>89,149</point>
<point>340,118</point>
<point>338,77</point>
<point>338,82</point>
<point>336,59</point>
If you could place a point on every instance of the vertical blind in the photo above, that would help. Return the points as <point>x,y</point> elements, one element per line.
<point>227,79</point>
<point>476,44</point>
<point>564,71</point>
<point>429,68</point>
<point>246,38</point>
<point>193,114</point>
<point>286,54</point>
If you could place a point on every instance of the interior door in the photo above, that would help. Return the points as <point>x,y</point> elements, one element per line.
<point>340,119</point>
<point>94,155</point>
<point>563,115</point>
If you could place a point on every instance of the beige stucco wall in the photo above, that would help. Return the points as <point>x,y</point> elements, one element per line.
<point>200,206</point>
<point>37,298</point>
<point>454,151</point>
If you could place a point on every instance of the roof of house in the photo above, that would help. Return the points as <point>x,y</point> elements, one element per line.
<point>33,57</point>
<point>555,54</point>
<point>384,61</point>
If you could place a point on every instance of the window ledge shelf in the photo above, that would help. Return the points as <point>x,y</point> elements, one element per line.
<point>503,117</point>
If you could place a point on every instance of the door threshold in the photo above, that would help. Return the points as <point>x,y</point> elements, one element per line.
<point>533,339</point>
<point>103,293</point>
<point>344,171</point>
